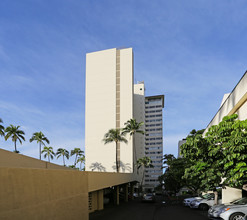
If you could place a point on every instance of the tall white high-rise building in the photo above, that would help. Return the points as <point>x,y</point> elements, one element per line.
<point>153,139</point>
<point>109,104</point>
<point>111,100</point>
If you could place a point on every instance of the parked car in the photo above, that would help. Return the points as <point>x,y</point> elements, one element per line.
<point>135,195</point>
<point>148,197</point>
<point>216,210</point>
<point>204,203</point>
<point>187,201</point>
<point>235,211</point>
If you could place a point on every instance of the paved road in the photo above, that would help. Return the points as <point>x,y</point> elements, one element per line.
<point>136,210</point>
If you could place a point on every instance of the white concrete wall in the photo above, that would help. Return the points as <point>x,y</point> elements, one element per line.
<point>126,106</point>
<point>100,110</point>
<point>230,194</point>
<point>139,115</point>
<point>234,103</point>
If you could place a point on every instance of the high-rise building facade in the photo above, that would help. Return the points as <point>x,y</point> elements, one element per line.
<point>139,115</point>
<point>111,100</point>
<point>153,139</point>
<point>109,104</point>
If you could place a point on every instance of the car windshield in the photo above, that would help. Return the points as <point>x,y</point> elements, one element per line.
<point>207,196</point>
<point>242,201</point>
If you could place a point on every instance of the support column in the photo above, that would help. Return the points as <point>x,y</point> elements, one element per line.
<point>126,192</point>
<point>132,190</point>
<point>116,195</point>
<point>100,200</point>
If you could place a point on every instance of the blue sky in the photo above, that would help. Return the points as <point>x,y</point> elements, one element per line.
<point>191,51</point>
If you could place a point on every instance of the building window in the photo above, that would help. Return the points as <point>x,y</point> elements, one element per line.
<point>154,134</point>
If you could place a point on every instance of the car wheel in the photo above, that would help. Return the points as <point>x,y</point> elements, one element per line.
<point>237,216</point>
<point>203,207</point>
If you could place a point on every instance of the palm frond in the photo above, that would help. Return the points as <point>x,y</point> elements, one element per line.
<point>132,127</point>
<point>114,135</point>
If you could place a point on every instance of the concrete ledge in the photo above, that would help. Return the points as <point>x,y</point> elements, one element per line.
<point>100,180</point>
<point>10,159</point>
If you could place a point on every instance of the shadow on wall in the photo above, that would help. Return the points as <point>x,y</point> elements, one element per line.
<point>124,167</point>
<point>100,168</point>
<point>97,167</point>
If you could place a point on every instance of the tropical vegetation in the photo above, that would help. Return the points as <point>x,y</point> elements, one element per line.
<point>132,127</point>
<point>41,139</point>
<point>78,153</point>
<point>16,134</point>
<point>1,128</point>
<point>64,153</point>
<point>117,136</point>
<point>219,158</point>
<point>144,162</point>
<point>81,160</point>
<point>48,152</point>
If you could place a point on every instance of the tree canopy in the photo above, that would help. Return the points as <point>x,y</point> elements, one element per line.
<point>16,134</point>
<point>48,152</point>
<point>133,127</point>
<point>77,152</point>
<point>172,178</point>
<point>219,158</point>
<point>117,136</point>
<point>41,139</point>
<point>1,128</point>
<point>144,162</point>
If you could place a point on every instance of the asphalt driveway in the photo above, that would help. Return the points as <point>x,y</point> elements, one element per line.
<point>137,210</point>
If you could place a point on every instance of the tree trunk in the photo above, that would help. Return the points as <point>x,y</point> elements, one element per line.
<point>15,147</point>
<point>117,168</point>
<point>49,157</point>
<point>142,177</point>
<point>40,150</point>
<point>63,161</point>
<point>135,156</point>
<point>215,198</point>
<point>75,159</point>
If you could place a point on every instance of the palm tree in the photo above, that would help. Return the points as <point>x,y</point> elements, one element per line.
<point>144,162</point>
<point>1,128</point>
<point>48,152</point>
<point>62,152</point>
<point>77,152</point>
<point>15,133</point>
<point>132,127</point>
<point>41,139</point>
<point>81,160</point>
<point>115,135</point>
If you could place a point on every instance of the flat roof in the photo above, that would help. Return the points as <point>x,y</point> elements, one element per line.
<point>157,97</point>
<point>116,48</point>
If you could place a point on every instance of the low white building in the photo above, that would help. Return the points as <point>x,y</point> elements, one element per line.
<point>232,103</point>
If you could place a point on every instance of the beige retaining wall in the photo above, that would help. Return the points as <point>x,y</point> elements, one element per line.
<point>36,190</point>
